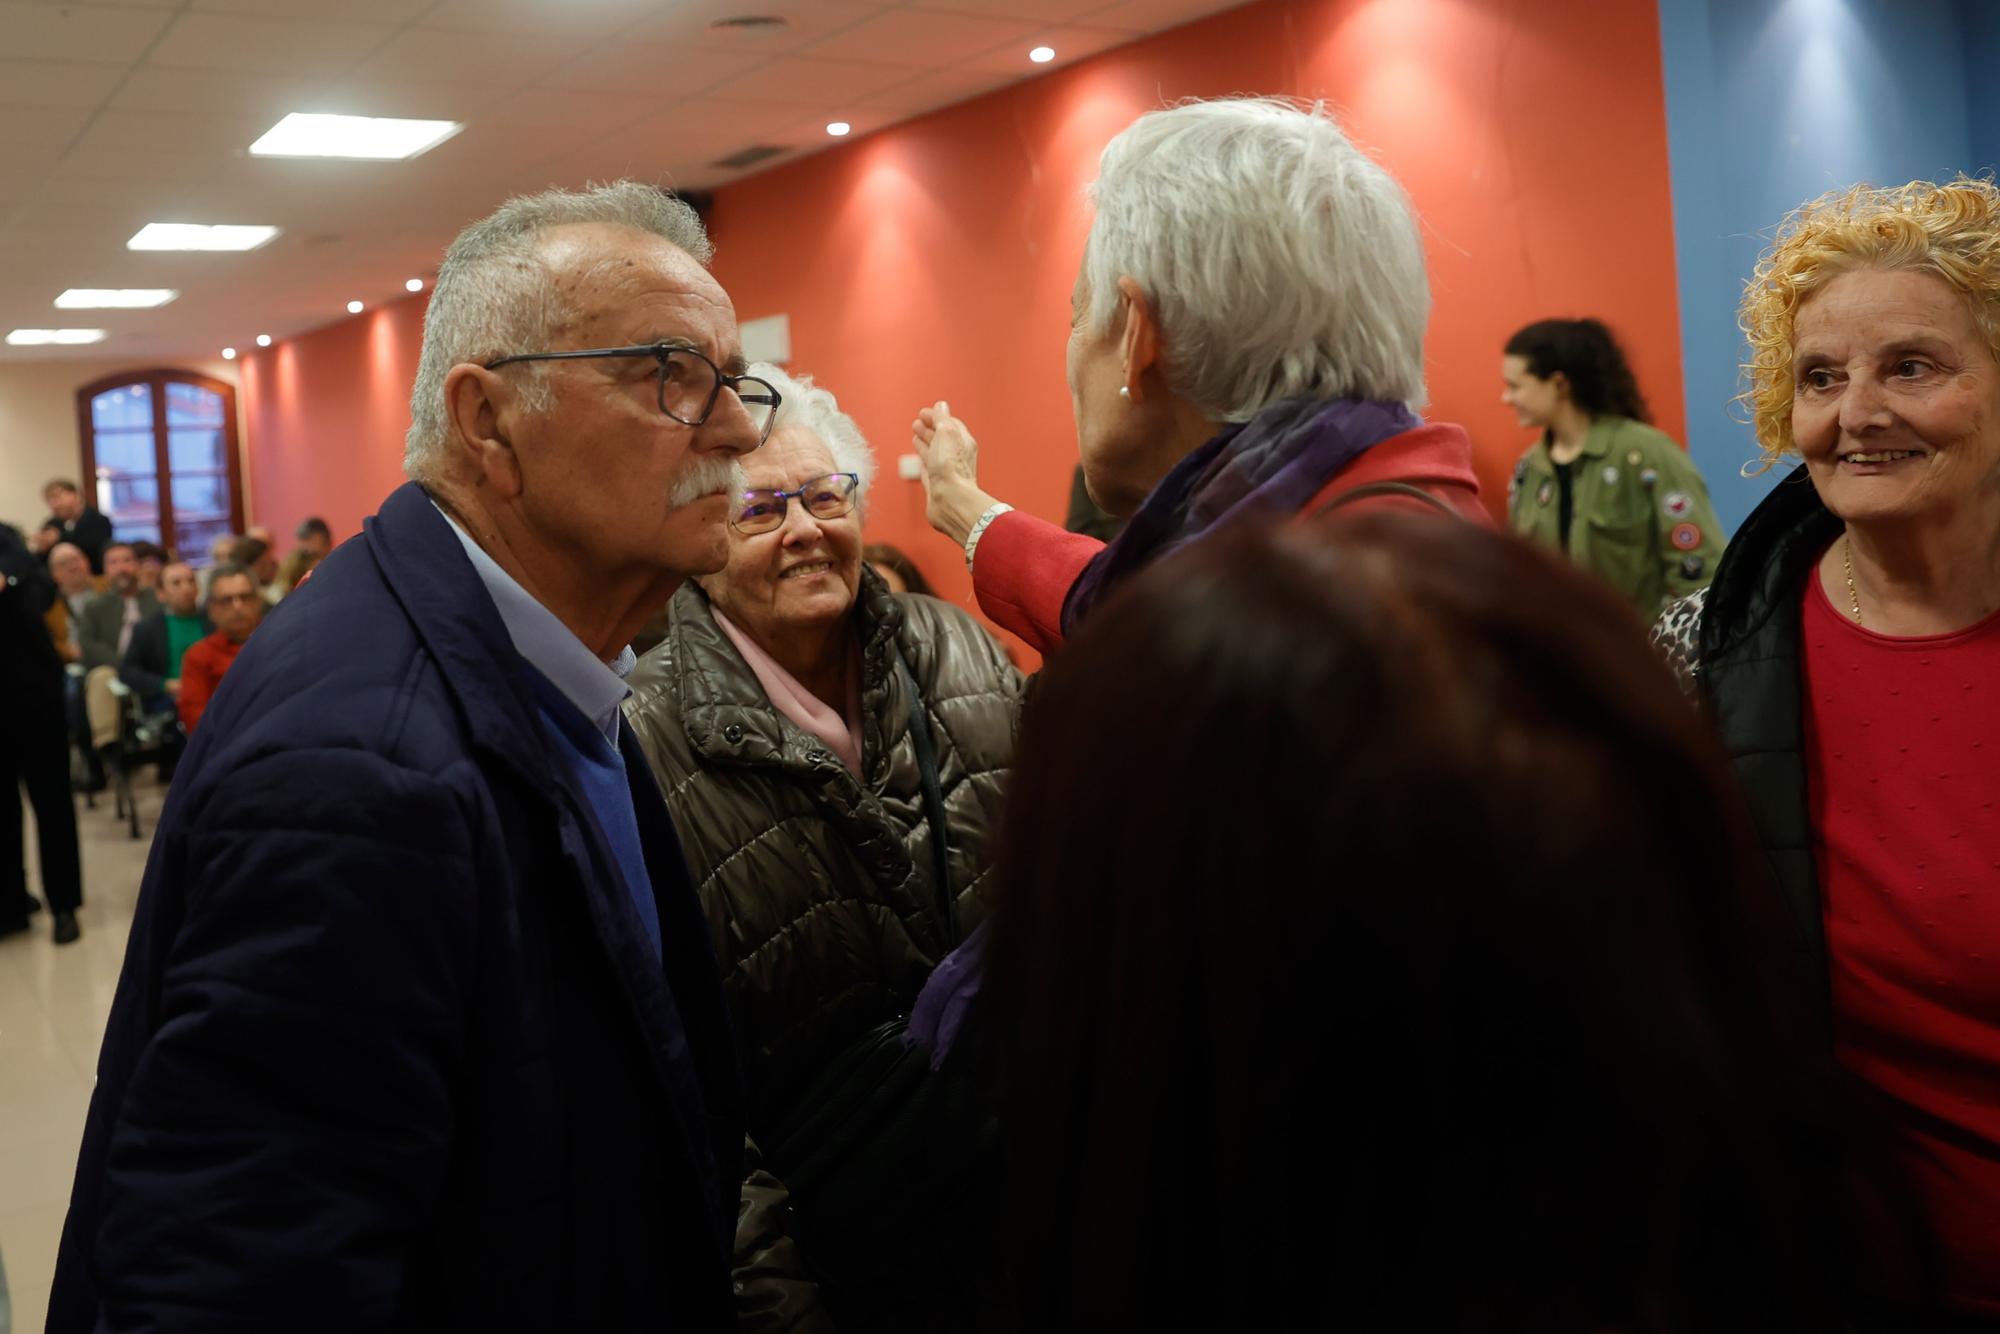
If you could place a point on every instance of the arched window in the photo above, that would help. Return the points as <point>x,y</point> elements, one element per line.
<point>160,449</point>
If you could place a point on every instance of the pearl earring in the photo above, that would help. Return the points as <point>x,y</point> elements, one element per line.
<point>1125,392</point>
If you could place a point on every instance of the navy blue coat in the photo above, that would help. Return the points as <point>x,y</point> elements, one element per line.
<point>391,1050</point>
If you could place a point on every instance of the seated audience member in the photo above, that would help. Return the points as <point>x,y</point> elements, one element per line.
<point>72,521</point>
<point>104,633</point>
<point>34,748</point>
<point>220,552</point>
<point>1618,497</point>
<point>75,587</point>
<point>254,554</point>
<point>234,607</point>
<point>896,568</point>
<point>1248,341</point>
<point>837,826</point>
<point>1540,1056</point>
<point>152,662</point>
<point>1847,652</point>
<point>315,540</point>
<point>152,564</point>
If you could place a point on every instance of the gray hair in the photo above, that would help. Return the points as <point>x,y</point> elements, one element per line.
<point>494,296</point>
<point>1280,260</point>
<point>803,403</point>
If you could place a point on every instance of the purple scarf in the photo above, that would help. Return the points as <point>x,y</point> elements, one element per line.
<point>1268,466</point>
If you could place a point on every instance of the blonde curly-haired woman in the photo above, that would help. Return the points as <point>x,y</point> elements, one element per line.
<point>1849,650</point>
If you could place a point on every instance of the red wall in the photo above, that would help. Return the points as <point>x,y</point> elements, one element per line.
<point>934,259</point>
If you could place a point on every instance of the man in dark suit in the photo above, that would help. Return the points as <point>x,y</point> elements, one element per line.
<point>73,521</point>
<point>419,1028</point>
<point>103,632</point>
<point>34,749</point>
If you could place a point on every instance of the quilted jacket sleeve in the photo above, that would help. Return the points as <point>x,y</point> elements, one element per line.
<point>774,1291</point>
<point>285,1132</point>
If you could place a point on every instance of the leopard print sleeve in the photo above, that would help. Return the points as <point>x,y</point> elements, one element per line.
<point>1676,637</point>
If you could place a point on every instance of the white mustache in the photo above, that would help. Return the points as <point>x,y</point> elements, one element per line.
<point>705,477</point>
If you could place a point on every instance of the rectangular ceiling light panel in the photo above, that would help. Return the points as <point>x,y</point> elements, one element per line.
<point>308,134</point>
<point>199,236</point>
<point>115,298</point>
<point>43,337</point>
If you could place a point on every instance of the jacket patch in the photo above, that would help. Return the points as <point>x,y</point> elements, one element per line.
<point>1676,504</point>
<point>1611,474</point>
<point>1692,566</point>
<point>1685,537</point>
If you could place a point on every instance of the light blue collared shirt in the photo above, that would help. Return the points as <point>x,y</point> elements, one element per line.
<point>596,688</point>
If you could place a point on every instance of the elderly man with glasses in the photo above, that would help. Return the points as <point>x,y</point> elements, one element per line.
<point>419,1027</point>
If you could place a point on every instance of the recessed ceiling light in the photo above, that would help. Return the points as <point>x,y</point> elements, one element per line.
<point>309,134</point>
<point>38,337</point>
<point>115,298</point>
<point>229,354</point>
<point>263,340</point>
<point>354,307</point>
<point>838,128</point>
<point>414,285</point>
<point>1042,55</point>
<point>199,236</point>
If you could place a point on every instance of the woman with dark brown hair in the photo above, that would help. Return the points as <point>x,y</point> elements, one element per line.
<point>1306,1017</point>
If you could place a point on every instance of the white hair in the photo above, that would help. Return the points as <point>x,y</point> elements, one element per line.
<point>1279,259</point>
<point>495,296</point>
<point>803,403</point>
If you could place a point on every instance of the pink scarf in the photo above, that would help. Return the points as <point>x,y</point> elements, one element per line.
<point>842,736</point>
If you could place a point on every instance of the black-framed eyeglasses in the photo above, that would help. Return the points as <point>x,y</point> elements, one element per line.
<point>690,384</point>
<point>762,510</point>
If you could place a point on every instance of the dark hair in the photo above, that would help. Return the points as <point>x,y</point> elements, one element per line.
<point>116,543</point>
<point>881,553</point>
<point>313,527</point>
<point>1379,933</point>
<point>1600,381</point>
<point>228,569</point>
<point>60,484</point>
<point>247,552</point>
<point>146,551</point>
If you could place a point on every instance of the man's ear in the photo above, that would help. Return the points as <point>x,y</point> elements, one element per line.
<point>475,402</point>
<point>1139,341</point>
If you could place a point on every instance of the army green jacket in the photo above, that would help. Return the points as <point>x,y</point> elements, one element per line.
<point>1641,521</point>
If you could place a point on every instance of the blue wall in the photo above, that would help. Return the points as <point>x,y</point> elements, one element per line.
<point>1772,102</point>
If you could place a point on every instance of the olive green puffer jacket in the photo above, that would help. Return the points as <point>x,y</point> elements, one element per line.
<point>818,888</point>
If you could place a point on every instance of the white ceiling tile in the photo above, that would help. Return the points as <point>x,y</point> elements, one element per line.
<point>396,12</point>
<point>425,99</point>
<point>174,132</point>
<point>632,67</point>
<point>603,110</point>
<point>946,87</point>
<point>1070,45</point>
<point>61,32</point>
<point>37,83</point>
<point>806,21</point>
<point>554,18</point>
<point>1158,15</point>
<point>825,84</point>
<point>920,38</point>
<point>492,58</point>
<point>1036,11</point>
<point>218,92</point>
<point>265,45</point>
<point>54,126</point>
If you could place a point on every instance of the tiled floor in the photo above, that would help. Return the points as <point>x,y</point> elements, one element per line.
<point>53,1004</point>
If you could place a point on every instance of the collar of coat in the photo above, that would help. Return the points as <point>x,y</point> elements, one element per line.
<point>730,720</point>
<point>1764,565</point>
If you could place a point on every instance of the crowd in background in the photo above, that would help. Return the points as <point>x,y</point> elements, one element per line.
<point>663,910</point>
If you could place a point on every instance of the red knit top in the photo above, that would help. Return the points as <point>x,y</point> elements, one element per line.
<point>1901,742</point>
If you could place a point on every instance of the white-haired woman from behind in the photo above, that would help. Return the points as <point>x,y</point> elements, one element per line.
<point>1246,345</point>
<point>833,754</point>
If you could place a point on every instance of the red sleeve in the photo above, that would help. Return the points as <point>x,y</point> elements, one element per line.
<point>198,678</point>
<point>1022,570</point>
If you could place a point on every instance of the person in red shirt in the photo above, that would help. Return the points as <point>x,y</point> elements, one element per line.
<point>236,608</point>
<point>1247,344</point>
<point>1849,649</point>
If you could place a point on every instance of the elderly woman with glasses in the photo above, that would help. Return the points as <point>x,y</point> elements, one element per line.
<point>1247,344</point>
<point>834,755</point>
<point>1848,651</point>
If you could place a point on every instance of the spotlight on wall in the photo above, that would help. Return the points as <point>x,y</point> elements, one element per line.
<point>414,285</point>
<point>354,307</point>
<point>229,354</point>
<point>838,128</point>
<point>263,340</point>
<point>1042,55</point>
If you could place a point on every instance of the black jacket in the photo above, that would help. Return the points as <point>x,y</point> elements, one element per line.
<point>145,666</point>
<point>31,671</point>
<point>391,1050</point>
<point>1745,660</point>
<point>91,533</point>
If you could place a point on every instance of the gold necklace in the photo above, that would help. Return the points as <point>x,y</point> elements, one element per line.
<point>1847,564</point>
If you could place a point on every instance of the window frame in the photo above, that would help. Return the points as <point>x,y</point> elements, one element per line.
<point>157,380</point>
